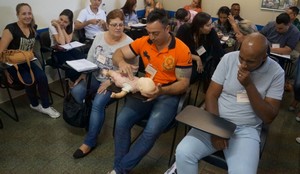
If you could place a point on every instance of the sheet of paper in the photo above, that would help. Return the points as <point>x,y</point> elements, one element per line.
<point>72,45</point>
<point>281,55</point>
<point>138,25</point>
<point>82,65</point>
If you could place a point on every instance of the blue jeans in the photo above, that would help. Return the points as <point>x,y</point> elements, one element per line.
<point>41,83</point>
<point>242,154</point>
<point>98,108</point>
<point>162,112</point>
<point>297,82</point>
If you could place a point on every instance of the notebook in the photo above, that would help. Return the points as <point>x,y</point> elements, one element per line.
<point>82,65</point>
<point>205,121</point>
<point>71,45</point>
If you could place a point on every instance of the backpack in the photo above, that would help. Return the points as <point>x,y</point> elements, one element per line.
<point>75,114</point>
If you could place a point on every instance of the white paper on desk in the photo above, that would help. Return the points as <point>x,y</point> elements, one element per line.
<point>281,55</point>
<point>72,45</point>
<point>82,65</point>
<point>138,25</point>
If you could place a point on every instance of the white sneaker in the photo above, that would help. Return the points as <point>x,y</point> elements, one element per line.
<point>112,172</point>
<point>297,118</point>
<point>37,108</point>
<point>298,140</point>
<point>49,111</point>
<point>291,108</point>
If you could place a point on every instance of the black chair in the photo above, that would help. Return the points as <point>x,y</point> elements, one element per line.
<point>48,59</point>
<point>1,124</point>
<point>80,36</point>
<point>136,32</point>
<point>192,117</point>
<point>184,99</point>
<point>218,158</point>
<point>5,85</point>
<point>15,86</point>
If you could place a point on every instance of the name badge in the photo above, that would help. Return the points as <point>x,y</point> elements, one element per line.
<point>101,59</point>
<point>201,50</point>
<point>242,97</point>
<point>152,71</point>
<point>275,45</point>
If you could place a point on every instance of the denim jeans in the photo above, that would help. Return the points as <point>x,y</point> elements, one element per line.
<point>297,82</point>
<point>41,83</point>
<point>242,153</point>
<point>98,108</point>
<point>160,113</point>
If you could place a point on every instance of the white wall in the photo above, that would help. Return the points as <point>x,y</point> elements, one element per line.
<point>250,9</point>
<point>44,11</point>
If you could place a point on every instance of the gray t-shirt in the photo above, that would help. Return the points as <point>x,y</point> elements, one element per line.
<point>268,79</point>
<point>101,53</point>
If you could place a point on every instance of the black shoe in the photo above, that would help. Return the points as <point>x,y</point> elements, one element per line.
<point>79,154</point>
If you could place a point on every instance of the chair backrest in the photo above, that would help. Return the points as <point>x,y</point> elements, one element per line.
<point>45,49</point>
<point>44,39</point>
<point>80,35</point>
<point>3,81</point>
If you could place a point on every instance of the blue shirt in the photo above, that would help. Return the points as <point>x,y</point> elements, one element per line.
<point>268,79</point>
<point>289,38</point>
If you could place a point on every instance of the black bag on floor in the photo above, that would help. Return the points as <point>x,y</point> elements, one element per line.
<point>75,114</point>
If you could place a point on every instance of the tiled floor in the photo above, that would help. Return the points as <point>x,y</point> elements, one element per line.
<point>39,144</point>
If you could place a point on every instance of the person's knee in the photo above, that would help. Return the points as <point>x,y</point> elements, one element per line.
<point>245,169</point>
<point>185,153</point>
<point>122,122</point>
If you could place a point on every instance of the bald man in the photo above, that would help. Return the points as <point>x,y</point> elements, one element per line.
<point>246,89</point>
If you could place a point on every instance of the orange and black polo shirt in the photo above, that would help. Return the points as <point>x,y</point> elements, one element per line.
<point>177,55</point>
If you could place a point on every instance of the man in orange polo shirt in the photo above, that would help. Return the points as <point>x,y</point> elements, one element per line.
<point>168,61</point>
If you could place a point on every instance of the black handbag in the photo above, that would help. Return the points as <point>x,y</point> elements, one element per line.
<point>75,114</point>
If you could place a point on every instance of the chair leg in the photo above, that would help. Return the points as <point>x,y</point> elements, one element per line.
<point>16,117</point>
<point>116,114</point>
<point>197,93</point>
<point>1,124</point>
<point>61,83</point>
<point>173,146</point>
<point>62,86</point>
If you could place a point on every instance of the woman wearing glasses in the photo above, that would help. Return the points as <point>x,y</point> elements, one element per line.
<point>100,53</point>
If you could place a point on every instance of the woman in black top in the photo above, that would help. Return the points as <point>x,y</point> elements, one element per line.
<point>20,35</point>
<point>204,45</point>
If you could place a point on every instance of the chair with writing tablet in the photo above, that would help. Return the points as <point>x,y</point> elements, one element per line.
<point>205,121</point>
<point>48,59</point>
<point>173,125</point>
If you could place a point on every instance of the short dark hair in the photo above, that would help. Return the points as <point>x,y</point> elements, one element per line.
<point>224,10</point>
<point>294,9</point>
<point>283,18</point>
<point>235,4</point>
<point>181,13</point>
<point>158,15</point>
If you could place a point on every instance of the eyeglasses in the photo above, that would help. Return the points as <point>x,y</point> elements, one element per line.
<point>116,25</point>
